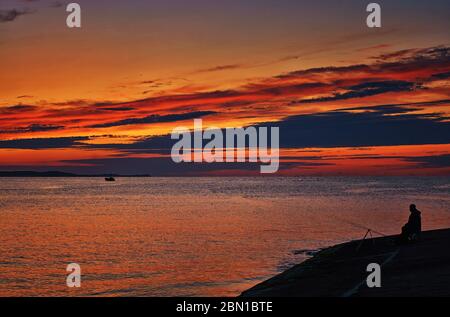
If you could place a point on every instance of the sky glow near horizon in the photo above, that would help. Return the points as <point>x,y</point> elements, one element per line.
<point>349,100</point>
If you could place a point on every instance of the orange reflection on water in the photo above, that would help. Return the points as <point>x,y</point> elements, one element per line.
<point>189,236</point>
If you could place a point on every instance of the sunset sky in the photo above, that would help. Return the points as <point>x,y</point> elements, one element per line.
<point>349,100</point>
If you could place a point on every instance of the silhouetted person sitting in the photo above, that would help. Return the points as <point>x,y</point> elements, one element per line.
<point>411,230</point>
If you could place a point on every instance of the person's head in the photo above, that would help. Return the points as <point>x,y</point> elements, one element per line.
<point>412,208</point>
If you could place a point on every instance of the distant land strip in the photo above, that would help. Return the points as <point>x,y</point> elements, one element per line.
<point>61,174</point>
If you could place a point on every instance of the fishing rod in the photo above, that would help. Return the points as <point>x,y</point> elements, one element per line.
<point>368,232</point>
<point>360,226</point>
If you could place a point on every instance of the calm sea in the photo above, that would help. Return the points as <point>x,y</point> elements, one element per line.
<point>190,236</point>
